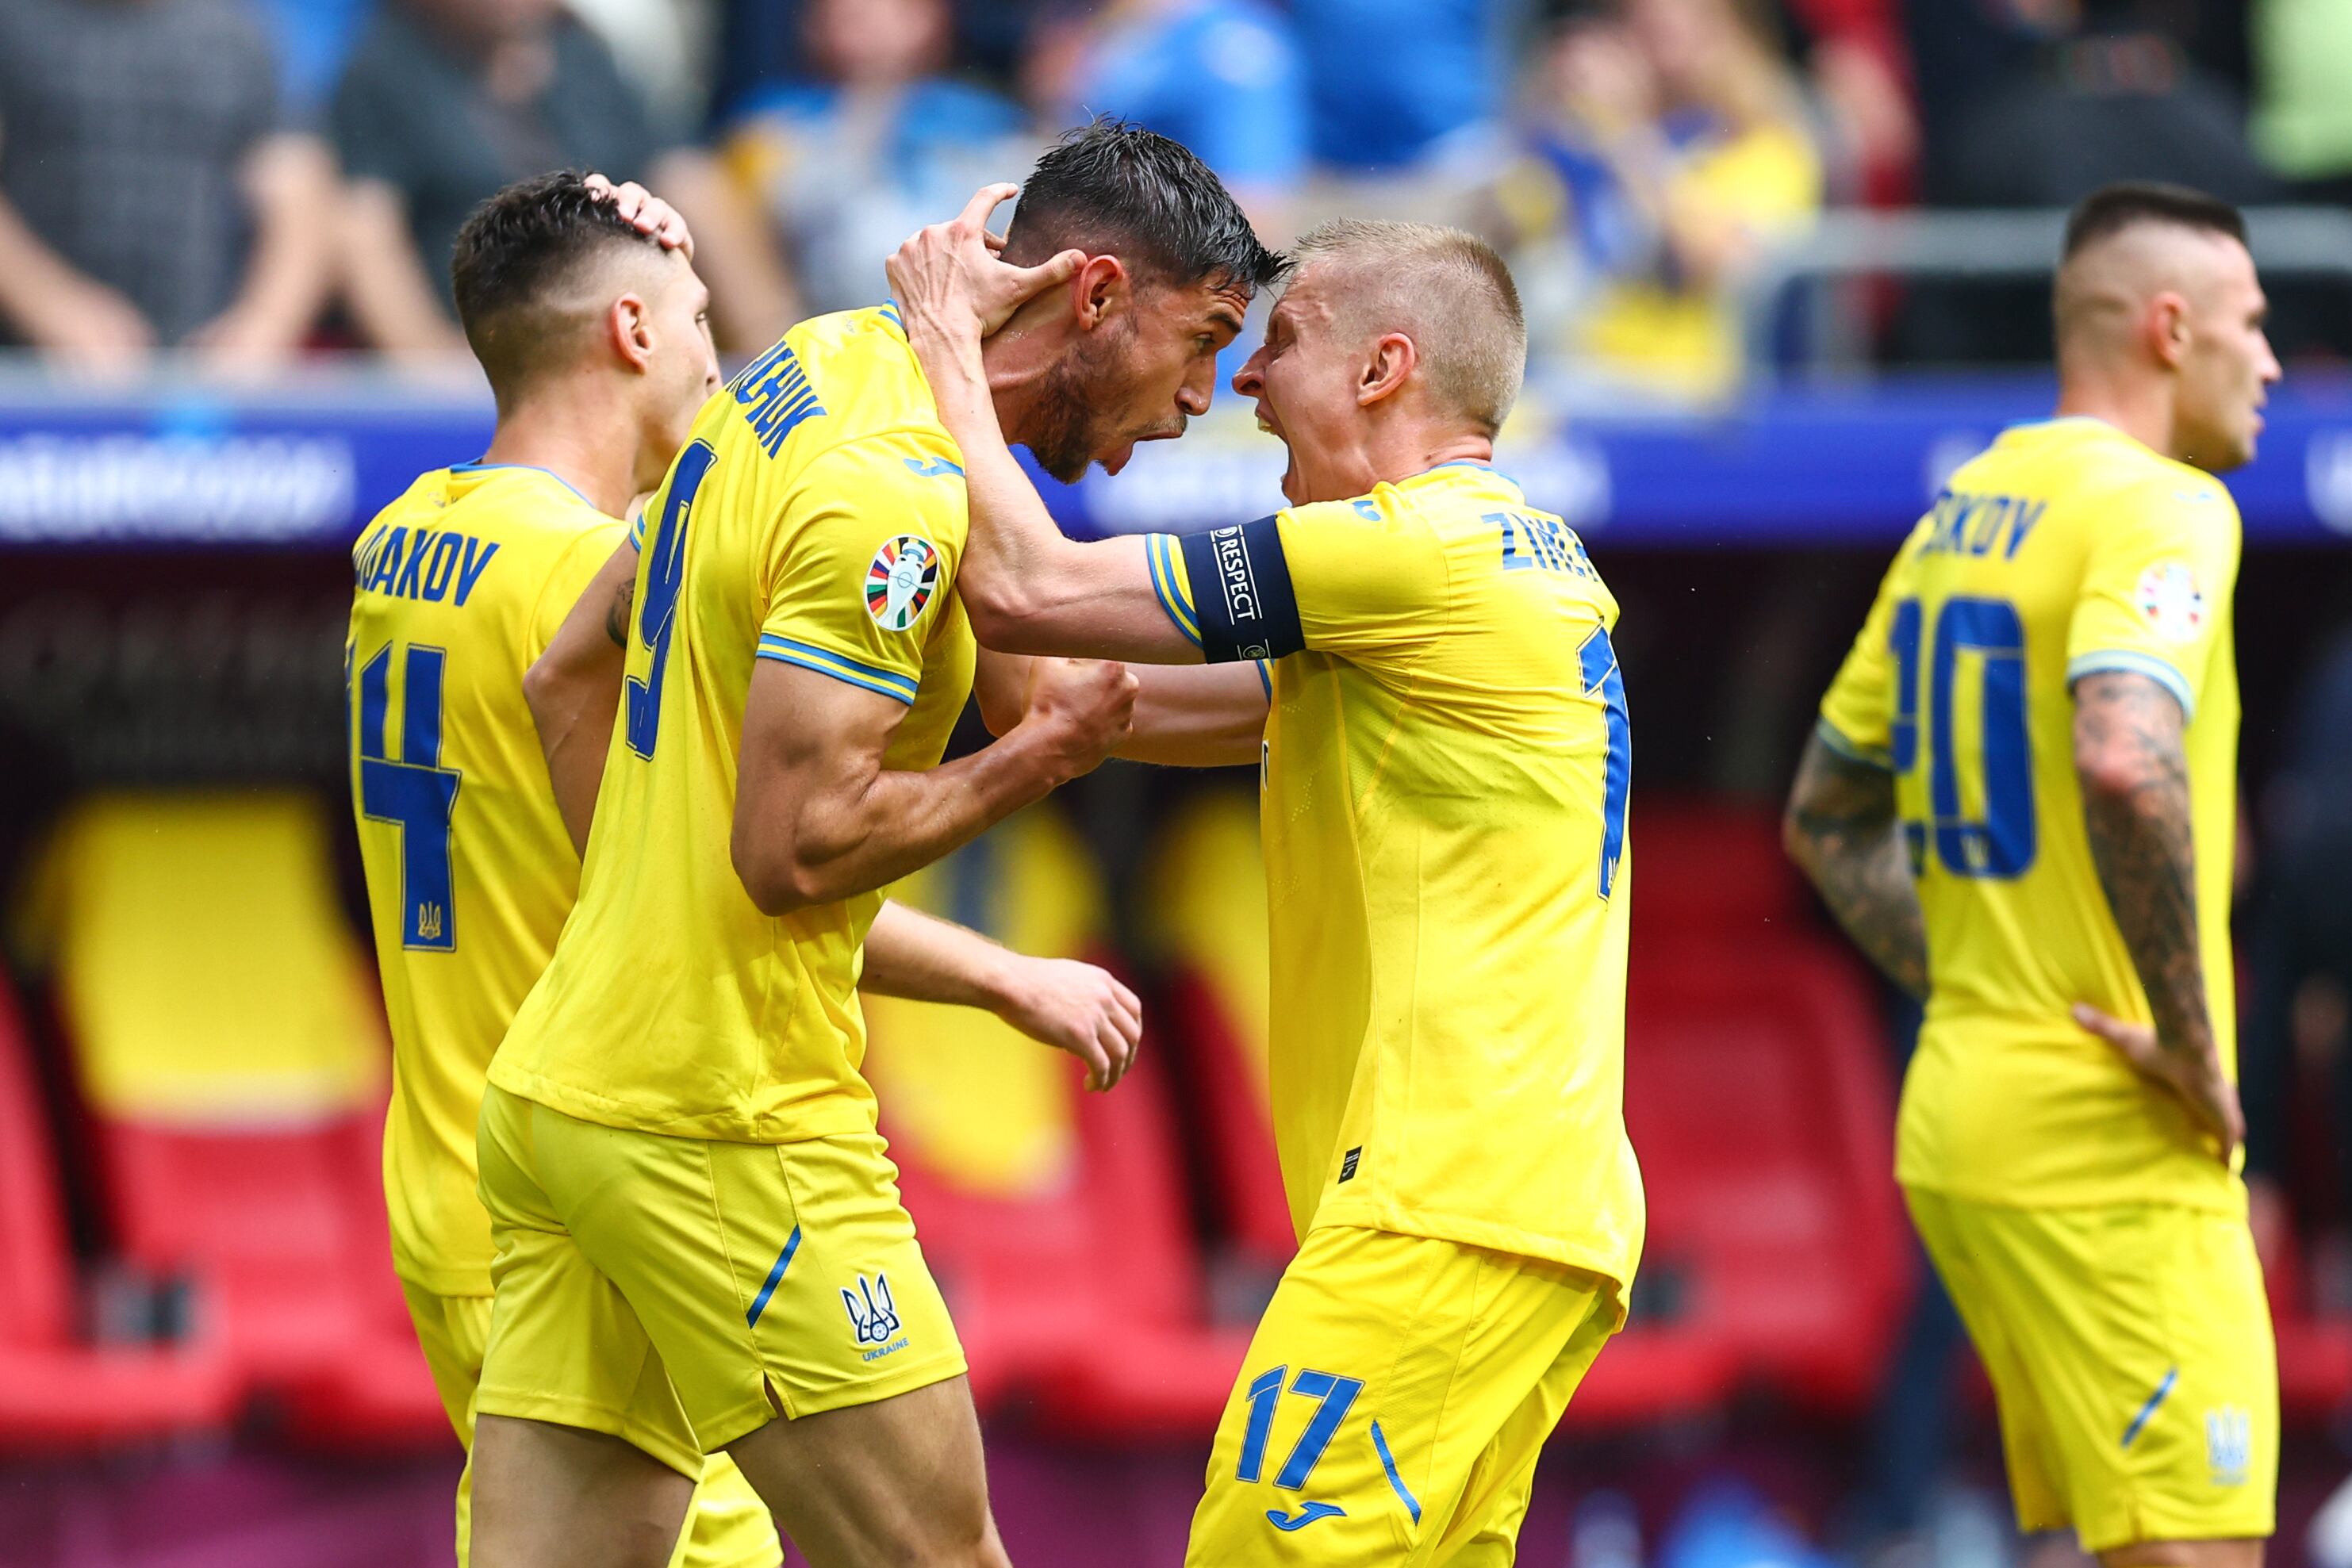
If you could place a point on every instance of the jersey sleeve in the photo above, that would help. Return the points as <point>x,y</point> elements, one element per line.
<point>857,568</point>
<point>2156,587</point>
<point>1858,712</point>
<point>575,566</point>
<point>1328,577</point>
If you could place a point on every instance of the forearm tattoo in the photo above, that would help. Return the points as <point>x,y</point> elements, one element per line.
<point>616,616</point>
<point>1843,830</point>
<point>2143,845</point>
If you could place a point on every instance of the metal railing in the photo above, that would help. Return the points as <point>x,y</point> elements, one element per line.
<point>1847,248</point>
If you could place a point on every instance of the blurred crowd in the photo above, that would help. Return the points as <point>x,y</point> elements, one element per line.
<point>250,180</point>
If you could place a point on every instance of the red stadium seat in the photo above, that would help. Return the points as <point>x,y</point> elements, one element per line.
<point>1054,1220</point>
<point>230,1050</point>
<point>56,1388</point>
<point>2314,1351</point>
<point>1760,1098</point>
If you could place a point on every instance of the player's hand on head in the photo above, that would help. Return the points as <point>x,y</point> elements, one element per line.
<point>2196,1076</point>
<point>1079,709</point>
<point>645,211</point>
<point>948,275</point>
<point>1079,1008</point>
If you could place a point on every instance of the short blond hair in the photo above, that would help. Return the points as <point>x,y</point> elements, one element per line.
<point>1445,288</point>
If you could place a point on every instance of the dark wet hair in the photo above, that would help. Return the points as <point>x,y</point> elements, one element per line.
<point>515,251</point>
<point>2110,209</point>
<point>1145,198</point>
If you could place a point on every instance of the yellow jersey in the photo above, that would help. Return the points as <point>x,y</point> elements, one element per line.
<point>460,585</point>
<point>1444,784</point>
<point>815,517</point>
<point>2066,549</point>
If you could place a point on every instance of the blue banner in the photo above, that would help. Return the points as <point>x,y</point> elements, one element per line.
<point>1787,467</point>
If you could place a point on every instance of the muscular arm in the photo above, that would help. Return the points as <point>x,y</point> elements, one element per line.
<point>2128,754</point>
<point>1214,717</point>
<point>1074,1006</point>
<point>574,690</point>
<point>1840,830</point>
<point>817,816</point>
<point>1209,716</point>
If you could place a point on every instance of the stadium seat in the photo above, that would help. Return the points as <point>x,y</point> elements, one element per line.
<point>1206,922</point>
<point>2314,1351</point>
<point>56,1388</point>
<point>231,1053</point>
<point>1761,1100</point>
<point>1054,1220</point>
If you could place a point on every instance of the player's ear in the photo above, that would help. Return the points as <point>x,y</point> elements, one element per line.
<point>2168,327</point>
<point>629,324</point>
<point>1392,359</point>
<point>1102,288</point>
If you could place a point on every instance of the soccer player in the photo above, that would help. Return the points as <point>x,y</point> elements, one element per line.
<point>1419,659</point>
<point>695,1216</point>
<point>584,309</point>
<point>2021,802</point>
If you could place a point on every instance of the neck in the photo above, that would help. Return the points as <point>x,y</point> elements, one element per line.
<point>582,439</point>
<point>2139,407</point>
<point>1018,359</point>
<point>1389,451</point>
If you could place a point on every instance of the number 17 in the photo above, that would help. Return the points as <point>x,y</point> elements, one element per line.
<point>1334,1397</point>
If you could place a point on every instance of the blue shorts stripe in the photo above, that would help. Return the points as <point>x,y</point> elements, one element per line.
<point>1388,1463</point>
<point>775,1278</point>
<point>825,661</point>
<point>2146,1411</point>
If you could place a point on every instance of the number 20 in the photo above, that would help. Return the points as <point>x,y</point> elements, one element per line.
<point>2002,844</point>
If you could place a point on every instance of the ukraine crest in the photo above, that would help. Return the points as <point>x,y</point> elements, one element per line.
<point>901,581</point>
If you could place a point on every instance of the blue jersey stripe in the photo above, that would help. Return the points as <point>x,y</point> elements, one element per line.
<point>824,661</point>
<point>1853,751</point>
<point>2126,661</point>
<point>770,642</point>
<point>1160,552</point>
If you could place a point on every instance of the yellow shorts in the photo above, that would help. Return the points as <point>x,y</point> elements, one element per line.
<point>1395,1398</point>
<point>2131,1356</point>
<point>727,1527</point>
<point>679,1294</point>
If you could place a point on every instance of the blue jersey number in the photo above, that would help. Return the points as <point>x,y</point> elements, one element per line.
<point>411,790</point>
<point>1603,677</point>
<point>1333,1396</point>
<point>664,573</point>
<point>2001,843</point>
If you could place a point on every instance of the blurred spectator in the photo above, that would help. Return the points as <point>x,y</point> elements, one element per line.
<point>663,47</point>
<point>882,143</point>
<point>2303,113</point>
<point>1223,76</point>
<point>444,101</point>
<point>1860,79</point>
<point>1403,87</point>
<point>2037,103</point>
<point>2064,108</point>
<point>150,195</point>
<point>1669,143</point>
